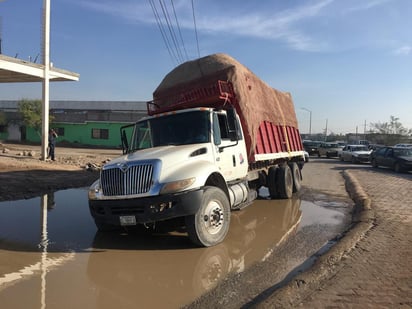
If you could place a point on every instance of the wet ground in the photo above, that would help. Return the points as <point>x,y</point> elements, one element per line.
<point>51,255</point>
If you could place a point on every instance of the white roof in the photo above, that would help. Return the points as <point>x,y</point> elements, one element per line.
<point>14,70</point>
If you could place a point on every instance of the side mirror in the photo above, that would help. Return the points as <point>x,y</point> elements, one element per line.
<point>231,118</point>
<point>231,121</point>
<point>123,138</point>
<point>216,131</point>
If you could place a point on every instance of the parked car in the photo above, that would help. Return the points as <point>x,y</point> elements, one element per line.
<point>311,147</point>
<point>306,156</point>
<point>355,154</point>
<point>397,158</point>
<point>329,150</point>
<point>403,145</point>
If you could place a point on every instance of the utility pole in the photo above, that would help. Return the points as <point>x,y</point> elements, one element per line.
<point>1,23</point>
<point>326,130</point>
<point>310,120</point>
<point>46,63</point>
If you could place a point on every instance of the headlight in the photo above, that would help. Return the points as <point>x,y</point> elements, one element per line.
<point>94,189</point>
<point>178,185</point>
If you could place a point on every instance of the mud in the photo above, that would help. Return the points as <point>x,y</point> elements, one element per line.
<point>51,253</point>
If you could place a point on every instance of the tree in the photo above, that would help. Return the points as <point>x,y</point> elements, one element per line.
<point>31,111</point>
<point>3,119</point>
<point>391,127</point>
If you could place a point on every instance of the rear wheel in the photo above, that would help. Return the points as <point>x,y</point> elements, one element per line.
<point>373,162</point>
<point>397,167</point>
<point>297,176</point>
<point>210,224</point>
<point>285,181</point>
<point>272,182</point>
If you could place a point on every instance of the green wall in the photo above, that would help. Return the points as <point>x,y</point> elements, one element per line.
<point>82,134</point>
<point>4,136</point>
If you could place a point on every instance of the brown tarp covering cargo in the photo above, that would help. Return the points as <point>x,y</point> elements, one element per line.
<point>256,101</point>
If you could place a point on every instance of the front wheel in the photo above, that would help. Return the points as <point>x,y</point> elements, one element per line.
<point>210,224</point>
<point>397,168</point>
<point>354,160</point>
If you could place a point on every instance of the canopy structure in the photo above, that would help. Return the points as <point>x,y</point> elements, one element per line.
<point>13,70</point>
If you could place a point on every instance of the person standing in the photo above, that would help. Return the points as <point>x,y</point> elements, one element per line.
<point>52,143</point>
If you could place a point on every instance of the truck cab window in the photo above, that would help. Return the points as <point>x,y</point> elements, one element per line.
<point>178,129</point>
<point>224,128</point>
<point>142,137</point>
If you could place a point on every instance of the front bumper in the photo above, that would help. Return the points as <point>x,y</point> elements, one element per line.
<point>362,159</point>
<point>146,209</point>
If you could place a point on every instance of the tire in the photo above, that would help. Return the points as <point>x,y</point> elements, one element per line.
<point>353,160</point>
<point>397,167</point>
<point>210,224</point>
<point>272,182</point>
<point>297,177</point>
<point>211,268</point>
<point>341,158</point>
<point>374,164</point>
<point>284,182</point>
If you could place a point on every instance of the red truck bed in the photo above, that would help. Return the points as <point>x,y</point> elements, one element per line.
<point>267,115</point>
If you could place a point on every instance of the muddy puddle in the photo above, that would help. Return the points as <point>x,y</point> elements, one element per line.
<point>51,255</point>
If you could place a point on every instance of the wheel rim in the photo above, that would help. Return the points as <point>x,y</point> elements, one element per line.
<point>213,217</point>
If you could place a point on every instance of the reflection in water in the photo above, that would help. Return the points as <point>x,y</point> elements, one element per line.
<point>43,244</point>
<point>127,269</point>
<point>127,277</point>
<point>45,264</point>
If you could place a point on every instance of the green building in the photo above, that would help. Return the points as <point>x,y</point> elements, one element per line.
<point>88,123</point>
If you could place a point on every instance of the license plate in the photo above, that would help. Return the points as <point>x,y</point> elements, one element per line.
<point>127,220</point>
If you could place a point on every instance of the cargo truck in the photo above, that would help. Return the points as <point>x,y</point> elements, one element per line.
<point>214,135</point>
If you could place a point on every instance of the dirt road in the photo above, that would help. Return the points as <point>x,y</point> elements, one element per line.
<point>369,267</point>
<point>24,175</point>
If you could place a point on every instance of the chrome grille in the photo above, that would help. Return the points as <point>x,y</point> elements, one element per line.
<point>136,179</point>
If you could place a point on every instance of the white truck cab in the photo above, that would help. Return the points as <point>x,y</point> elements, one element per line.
<point>169,162</point>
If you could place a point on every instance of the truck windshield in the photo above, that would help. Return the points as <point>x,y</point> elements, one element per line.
<point>177,129</point>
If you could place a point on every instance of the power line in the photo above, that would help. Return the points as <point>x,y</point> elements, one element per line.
<point>163,33</point>
<point>174,43</point>
<point>171,30</point>
<point>194,22</point>
<point>178,27</point>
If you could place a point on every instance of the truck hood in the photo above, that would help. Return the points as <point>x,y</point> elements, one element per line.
<point>169,155</point>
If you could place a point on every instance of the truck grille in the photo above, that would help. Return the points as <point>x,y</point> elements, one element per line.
<point>127,180</point>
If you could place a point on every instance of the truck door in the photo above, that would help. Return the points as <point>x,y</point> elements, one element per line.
<point>230,155</point>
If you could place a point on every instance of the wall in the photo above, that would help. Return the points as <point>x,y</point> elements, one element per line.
<point>82,134</point>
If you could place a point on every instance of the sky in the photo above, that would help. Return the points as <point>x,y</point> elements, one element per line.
<point>346,63</point>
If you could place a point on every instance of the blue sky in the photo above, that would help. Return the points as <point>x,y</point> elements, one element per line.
<point>347,61</point>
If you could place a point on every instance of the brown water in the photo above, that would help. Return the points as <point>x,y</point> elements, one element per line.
<point>52,257</point>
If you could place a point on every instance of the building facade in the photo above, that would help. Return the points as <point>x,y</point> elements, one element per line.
<point>88,123</point>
